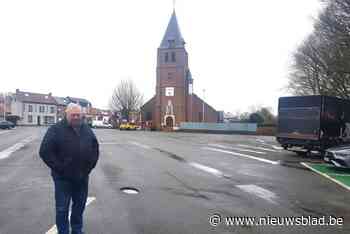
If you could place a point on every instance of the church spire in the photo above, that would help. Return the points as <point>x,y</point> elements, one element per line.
<point>172,37</point>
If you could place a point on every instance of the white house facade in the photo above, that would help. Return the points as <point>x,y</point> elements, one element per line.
<point>34,108</point>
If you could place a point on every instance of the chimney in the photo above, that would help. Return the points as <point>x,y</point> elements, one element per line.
<point>17,90</point>
<point>50,94</point>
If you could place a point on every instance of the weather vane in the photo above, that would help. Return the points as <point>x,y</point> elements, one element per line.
<point>174,3</point>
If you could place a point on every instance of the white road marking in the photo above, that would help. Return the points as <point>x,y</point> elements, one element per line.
<point>273,146</point>
<point>108,143</point>
<point>140,145</point>
<point>53,230</point>
<point>236,148</point>
<point>259,191</point>
<point>260,148</point>
<point>260,140</point>
<point>207,169</point>
<point>277,147</point>
<point>327,176</point>
<point>1,132</point>
<point>7,152</point>
<point>242,155</point>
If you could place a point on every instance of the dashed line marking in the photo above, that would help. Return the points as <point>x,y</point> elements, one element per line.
<point>53,230</point>
<point>108,143</point>
<point>7,152</point>
<point>207,169</point>
<point>236,148</point>
<point>243,155</point>
<point>277,147</point>
<point>199,166</point>
<point>259,192</point>
<point>2,132</point>
<point>140,145</point>
<point>260,148</point>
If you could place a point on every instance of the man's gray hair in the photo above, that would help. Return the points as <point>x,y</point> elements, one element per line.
<point>72,106</point>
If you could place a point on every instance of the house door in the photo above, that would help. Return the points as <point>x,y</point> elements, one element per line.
<point>38,120</point>
<point>169,122</point>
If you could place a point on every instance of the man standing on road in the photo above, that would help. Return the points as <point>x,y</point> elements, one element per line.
<point>71,150</point>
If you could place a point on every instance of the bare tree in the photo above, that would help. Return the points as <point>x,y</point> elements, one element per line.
<point>322,63</point>
<point>126,98</point>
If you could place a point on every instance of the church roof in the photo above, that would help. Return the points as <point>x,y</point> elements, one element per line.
<point>173,33</point>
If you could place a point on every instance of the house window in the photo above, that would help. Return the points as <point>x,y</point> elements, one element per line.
<point>41,109</point>
<point>49,120</point>
<point>30,108</point>
<point>52,109</point>
<point>166,59</point>
<point>30,119</point>
<point>173,58</point>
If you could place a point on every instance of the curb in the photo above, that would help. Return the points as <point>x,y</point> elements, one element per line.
<point>325,175</point>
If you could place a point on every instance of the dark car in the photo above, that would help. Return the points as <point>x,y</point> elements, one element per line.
<point>6,125</point>
<point>338,156</point>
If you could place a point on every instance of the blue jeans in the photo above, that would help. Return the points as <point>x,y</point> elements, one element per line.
<point>65,191</point>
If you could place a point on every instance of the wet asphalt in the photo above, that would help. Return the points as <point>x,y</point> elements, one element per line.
<point>182,179</point>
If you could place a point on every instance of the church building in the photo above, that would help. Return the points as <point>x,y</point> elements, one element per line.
<point>175,100</point>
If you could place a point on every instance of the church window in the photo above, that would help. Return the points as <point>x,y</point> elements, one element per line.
<point>171,43</point>
<point>173,58</point>
<point>166,57</point>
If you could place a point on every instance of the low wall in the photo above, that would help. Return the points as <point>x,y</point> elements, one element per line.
<point>249,128</point>
<point>266,131</point>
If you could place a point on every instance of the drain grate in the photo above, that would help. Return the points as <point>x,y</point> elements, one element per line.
<point>130,190</point>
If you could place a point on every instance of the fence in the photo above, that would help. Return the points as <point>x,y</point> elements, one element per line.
<point>219,127</point>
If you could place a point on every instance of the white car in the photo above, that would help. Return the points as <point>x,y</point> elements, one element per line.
<point>338,156</point>
<point>101,124</point>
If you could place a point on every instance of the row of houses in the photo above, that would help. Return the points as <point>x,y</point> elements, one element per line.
<point>45,109</point>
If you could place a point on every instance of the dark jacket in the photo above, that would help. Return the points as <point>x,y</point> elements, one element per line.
<point>69,154</point>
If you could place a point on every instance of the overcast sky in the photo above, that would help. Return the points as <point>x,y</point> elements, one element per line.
<point>239,50</point>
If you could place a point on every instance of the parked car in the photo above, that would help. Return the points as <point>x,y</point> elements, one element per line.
<point>338,156</point>
<point>128,126</point>
<point>100,124</point>
<point>6,125</point>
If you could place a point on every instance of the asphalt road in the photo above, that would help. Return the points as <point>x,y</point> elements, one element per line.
<point>183,179</point>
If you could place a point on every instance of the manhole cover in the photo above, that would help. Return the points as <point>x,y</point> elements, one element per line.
<point>130,190</point>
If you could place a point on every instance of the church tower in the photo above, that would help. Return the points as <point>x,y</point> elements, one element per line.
<point>174,81</point>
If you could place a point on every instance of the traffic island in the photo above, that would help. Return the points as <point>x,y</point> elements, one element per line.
<point>341,176</point>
